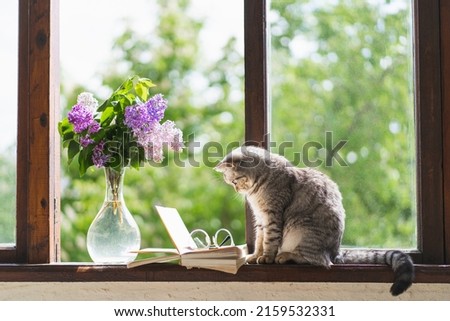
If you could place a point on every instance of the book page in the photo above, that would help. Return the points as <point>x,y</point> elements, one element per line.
<point>226,252</point>
<point>176,228</point>
<point>158,259</point>
<point>156,250</point>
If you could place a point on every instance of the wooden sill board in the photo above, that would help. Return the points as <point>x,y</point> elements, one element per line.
<point>88,272</point>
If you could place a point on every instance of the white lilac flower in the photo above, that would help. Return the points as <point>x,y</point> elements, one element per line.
<point>87,99</point>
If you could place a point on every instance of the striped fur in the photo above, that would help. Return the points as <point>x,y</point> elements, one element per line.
<point>298,215</point>
<point>401,264</point>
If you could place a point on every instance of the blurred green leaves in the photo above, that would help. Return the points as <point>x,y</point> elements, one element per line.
<point>346,67</point>
<point>343,67</point>
<point>212,113</point>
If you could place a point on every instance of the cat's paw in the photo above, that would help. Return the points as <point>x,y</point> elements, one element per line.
<point>289,257</point>
<point>265,259</point>
<point>252,258</point>
<point>283,258</point>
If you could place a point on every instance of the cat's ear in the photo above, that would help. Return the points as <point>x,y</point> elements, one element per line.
<point>222,166</point>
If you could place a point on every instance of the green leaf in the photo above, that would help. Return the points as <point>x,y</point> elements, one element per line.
<point>72,150</point>
<point>66,143</point>
<point>64,126</point>
<point>85,160</point>
<point>124,101</point>
<point>103,106</point>
<point>98,136</point>
<point>142,88</point>
<point>136,155</point>
<point>60,129</point>
<point>125,87</point>
<point>141,91</point>
<point>130,99</point>
<point>68,136</point>
<point>146,82</point>
<point>118,105</point>
<point>107,116</point>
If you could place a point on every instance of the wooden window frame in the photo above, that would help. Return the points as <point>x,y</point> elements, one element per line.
<point>38,158</point>
<point>37,227</point>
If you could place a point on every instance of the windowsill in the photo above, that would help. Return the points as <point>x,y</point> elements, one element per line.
<point>89,272</point>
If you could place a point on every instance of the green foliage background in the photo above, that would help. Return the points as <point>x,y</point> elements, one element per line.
<point>356,83</point>
<point>175,65</point>
<point>7,196</point>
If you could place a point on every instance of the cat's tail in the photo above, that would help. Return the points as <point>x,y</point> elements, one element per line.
<point>401,264</point>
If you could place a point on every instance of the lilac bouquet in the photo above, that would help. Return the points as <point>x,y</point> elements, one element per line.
<point>125,130</point>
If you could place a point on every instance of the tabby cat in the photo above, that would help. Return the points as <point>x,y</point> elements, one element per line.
<point>298,215</point>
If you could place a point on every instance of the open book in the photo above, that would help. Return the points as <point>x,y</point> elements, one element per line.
<point>226,258</point>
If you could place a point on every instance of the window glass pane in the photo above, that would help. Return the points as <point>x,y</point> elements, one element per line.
<point>193,51</point>
<point>8,121</point>
<point>342,101</point>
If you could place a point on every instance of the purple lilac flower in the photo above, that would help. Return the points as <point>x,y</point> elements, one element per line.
<point>153,153</point>
<point>156,106</point>
<point>172,135</point>
<point>86,141</point>
<point>98,156</point>
<point>138,119</point>
<point>177,143</point>
<point>162,135</point>
<point>141,118</point>
<point>82,114</point>
<point>94,127</point>
<point>81,118</point>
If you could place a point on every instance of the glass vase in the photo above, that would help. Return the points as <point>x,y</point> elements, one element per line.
<point>113,233</point>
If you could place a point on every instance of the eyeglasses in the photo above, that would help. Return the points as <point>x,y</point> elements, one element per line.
<point>222,238</point>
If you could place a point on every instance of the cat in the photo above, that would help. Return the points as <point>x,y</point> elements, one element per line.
<point>298,215</point>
